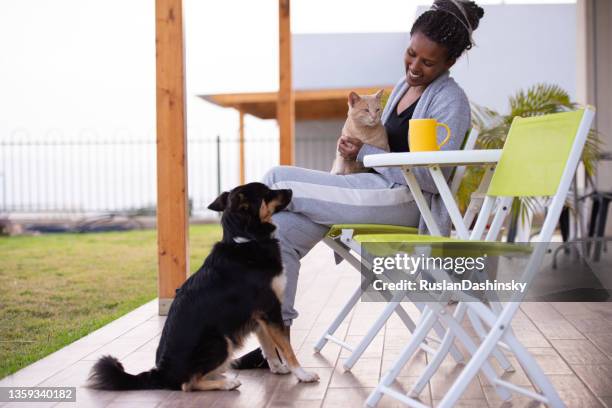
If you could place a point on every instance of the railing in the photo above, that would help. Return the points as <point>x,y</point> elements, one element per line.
<point>66,177</point>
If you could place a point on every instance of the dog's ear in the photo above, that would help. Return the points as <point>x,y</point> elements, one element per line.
<point>220,202</point>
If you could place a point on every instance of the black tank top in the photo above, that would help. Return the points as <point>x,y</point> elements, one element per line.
<point>397,128</point>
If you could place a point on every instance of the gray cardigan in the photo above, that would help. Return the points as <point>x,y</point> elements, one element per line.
<point>445,101</point>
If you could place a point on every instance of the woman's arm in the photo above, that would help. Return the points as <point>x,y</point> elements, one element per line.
<point>354,149</point>
<point>393,174</point>
<point>348,147</point>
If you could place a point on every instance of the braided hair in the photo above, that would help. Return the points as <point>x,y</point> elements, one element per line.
<point>450,23</point>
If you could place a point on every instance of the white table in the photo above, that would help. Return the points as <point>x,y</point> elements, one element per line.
<point>433,161</point>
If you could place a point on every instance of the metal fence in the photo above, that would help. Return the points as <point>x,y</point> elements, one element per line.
<point>64,177</point>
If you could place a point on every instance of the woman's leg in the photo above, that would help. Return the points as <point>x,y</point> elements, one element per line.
<point>319,200</point>
<point>297,236</point>
<point>328,199</point>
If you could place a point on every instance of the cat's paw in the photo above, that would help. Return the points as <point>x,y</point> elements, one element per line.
<point>305,376</point>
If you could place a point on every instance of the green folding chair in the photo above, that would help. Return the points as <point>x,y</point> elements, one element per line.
<point>539,159</point>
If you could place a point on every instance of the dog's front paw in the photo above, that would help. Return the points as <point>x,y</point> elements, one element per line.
<point>231,384</point>
<point>278,367</point>
<point>305,376</point>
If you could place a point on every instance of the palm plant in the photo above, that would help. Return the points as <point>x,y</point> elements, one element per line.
<point>540,99</point>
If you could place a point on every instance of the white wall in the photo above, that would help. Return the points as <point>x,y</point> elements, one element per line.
<point>347,60</point>
<point>518,45</point>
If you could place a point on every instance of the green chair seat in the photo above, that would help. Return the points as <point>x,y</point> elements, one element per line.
<point>336,229</point>
<point>388,244</point>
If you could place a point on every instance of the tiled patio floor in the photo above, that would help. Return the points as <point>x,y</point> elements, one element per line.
<point>572,341</point>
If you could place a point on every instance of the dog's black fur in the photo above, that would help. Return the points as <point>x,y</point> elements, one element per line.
<point>216,307</point>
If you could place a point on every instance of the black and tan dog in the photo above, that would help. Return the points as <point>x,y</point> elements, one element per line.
<point>236,292</point>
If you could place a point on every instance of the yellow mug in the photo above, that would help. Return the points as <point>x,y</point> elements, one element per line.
<point>422,135</point>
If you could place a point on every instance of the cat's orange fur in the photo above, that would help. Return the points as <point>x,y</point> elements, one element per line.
<point>363,123</point>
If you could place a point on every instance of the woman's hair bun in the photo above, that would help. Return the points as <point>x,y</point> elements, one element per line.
<point>472,10</point>
<point>474,13</point>
<point>450,23</point>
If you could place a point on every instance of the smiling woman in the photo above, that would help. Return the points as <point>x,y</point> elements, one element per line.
<point>438,37</point>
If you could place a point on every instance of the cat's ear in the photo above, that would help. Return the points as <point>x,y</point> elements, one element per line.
<point>379,94</point>
<point>353,99</point>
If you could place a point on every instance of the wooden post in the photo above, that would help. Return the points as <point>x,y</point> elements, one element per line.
<point>241,142</point>
<point>285,110</point>
<point>172,216</point>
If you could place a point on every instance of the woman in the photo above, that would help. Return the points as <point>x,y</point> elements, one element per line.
<point>437,39</point>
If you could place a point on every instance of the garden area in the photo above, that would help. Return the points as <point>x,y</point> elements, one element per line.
<point>57,288</point>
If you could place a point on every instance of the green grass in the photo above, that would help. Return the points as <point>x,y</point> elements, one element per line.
<point>56,288</point>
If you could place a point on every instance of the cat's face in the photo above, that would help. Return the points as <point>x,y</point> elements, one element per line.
<point>365,109</point>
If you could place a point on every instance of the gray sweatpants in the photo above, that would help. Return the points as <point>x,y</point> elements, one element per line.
<point>321,199</point>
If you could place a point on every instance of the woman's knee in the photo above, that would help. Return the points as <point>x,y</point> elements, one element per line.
<point>297,233</point>
<point>274,175</point>
<point>279,174</point>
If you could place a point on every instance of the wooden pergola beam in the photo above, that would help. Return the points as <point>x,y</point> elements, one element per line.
<point>172,214</point>
<point>308,104</point>
<point>241,170</point>
<point>285,112</point>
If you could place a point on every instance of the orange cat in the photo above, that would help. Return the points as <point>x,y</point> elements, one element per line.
<point>363,123</point>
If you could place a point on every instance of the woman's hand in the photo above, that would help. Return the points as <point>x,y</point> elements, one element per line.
<point>349,147</point>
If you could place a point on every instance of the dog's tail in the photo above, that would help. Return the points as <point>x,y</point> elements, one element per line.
<point>108,374</point>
